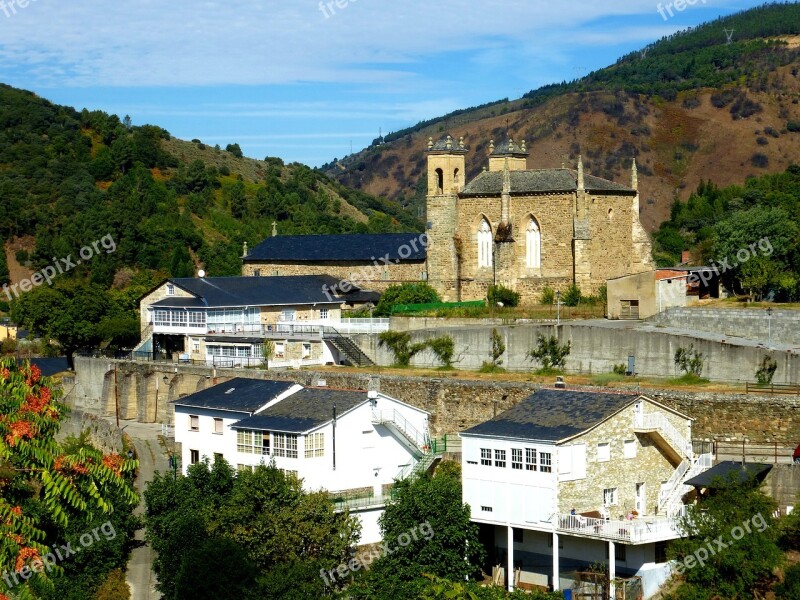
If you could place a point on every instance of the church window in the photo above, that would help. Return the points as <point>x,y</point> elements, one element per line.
<point>439,181</point>
<point>484,245</point>
<point>533,245</point>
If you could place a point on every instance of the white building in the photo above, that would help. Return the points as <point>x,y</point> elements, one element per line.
<point>353,444</point>
<point>566,479</point>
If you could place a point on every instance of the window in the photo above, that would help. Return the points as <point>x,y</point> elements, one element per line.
<point>486,457</point>
<point>545,462</point>
<point>517,533</point>
<point>257,273</point>
<point>306,350</point>
<point>161,318</point>
<point>661,552</point>
<point>170,289</point>
<point>241,467</point>
<point>439,181</point>
<point>252,442</point>
<point>218,456</point>
<point>324,314</point>
<point>484,245</point>
<point>285,445</point>
<point>289,473</point>
<point>530,459</point>
<point>610,497</point>
<point>486,508</point>
<point>280,349</point>
<point>516,458</point>
<point>629,448</point>
<point>218,426</point>
<point>194,457</point>
<point>500,458</point>
<point>315,445</point>
<point>533,245</point>
<point>196,346</point>
<point>603,452</point>
<point>197,319</point>
<point>619,552</point>
<point>194,423</point>
<point>288,314</point>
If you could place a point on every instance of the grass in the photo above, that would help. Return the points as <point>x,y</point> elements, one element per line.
<point>488,367</point>
<point>605,379</point>
<point>688,379</point>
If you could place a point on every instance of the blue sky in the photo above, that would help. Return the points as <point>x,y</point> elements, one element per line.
<point>304,80</point>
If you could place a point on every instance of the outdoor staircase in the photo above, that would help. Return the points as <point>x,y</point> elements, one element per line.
<point>418,443</point>
<point>347,347</point>
<point>670,499</point>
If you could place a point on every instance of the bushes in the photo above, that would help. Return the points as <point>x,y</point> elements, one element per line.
<point>548,295</point>
<point>406,293</point>
<point>759,160</point>
<point>766,370</point>
<point>689,360</point>
<point>793,126</point>
<point>499,293</point>
<point>550,353</point>
<point>572,296</point>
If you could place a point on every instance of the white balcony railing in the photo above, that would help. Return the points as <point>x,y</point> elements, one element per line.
<point>633,531</point>
<point>658,422</point>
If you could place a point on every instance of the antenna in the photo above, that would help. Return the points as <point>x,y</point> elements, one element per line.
<point>729,33</point>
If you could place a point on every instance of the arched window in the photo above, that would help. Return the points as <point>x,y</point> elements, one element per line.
<point>533,245</point>
<point>484,245</point>
<point>455,180</point>
<point>439,181</point>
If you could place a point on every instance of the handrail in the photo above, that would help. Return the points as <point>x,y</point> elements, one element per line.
<point>673,436</point>
<point>381,417</point>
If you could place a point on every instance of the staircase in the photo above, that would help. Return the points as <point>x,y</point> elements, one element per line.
<point>347,347</point>
<point>416,441</point>
<point>670,499</point>
<point>665,434</point>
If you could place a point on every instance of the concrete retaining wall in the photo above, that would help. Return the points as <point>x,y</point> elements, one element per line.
<point>747,323</point>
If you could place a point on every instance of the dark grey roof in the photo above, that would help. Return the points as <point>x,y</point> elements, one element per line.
<point>538,181</point>
<point>448,144</point>
<point>360,247</point>
<point>553,415</point>
<point>238,394</point>
<point>176,302</point>
<point>255,291</point>
<point>729,469</point>
<point>307,409</point>
<point>510,148</point>
<point>49,366</point>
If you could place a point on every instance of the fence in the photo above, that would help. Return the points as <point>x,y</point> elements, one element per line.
<point>773,389</point>
<point>777,453</point>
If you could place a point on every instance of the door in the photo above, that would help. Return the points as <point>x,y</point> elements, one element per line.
<point>641,498</point>
<point>629,309</point>
<point>638,413</point>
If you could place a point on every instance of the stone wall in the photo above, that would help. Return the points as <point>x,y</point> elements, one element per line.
<point>753,324</point>
<point>102,434</point>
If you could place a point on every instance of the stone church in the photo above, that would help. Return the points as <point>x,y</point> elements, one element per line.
<point>513,226</point>
<point>527,228</point>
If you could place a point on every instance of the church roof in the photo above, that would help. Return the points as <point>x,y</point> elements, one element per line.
<point>447,144</point>
<point>539,181</point>
<point>509,148</point>
<point>354,247</point>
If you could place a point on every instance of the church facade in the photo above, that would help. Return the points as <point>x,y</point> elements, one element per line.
<point>527,228</point>
<point>513,226</point>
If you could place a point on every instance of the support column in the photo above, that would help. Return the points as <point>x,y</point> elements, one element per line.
<point>612,570</point>
<point>556,584</point>
<point>510,565</point>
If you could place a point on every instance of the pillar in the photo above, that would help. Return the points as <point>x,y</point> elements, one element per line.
<point>612,569</point>
<point>510,565</point>
<point>556,584</point>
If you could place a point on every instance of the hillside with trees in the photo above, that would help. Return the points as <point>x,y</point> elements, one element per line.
<point>688,107</point>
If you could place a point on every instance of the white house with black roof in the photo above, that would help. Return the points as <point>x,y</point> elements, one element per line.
<point>351,443</point>
<point>224,321</point>
<point>568,478</point>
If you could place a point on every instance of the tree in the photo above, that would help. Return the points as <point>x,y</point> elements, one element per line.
<point>548,295</point>
<point>406,293</point>
<point>181,263</point>
<point>429,514</point>
<point>4,274</point>
<point>237,201</point>
<point>399,344</point>
<point>740,516</point>
<point>43,482</point>
<point>234,149</point>
<point>267,352</point>
<point>572,297</point>
<point>757,275</point>
<point>444,349</point>
<point>498,348</point>
<point>689,360</point>
<point>550,353</point>
<point>766,370</point>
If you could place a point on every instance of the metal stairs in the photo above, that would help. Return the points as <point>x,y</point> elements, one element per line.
<point>347,347</point>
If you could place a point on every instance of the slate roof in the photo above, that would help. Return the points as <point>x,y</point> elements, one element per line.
<point>539,181</point>
<point>306,410</point>
<point>553,415</point>
<point>238,394</point>
<point>49,366</point>
<point>509,148</point>
<point>215,292</point>
<point>730,468</point>
<point>354,247</point>
<point>441,145</point>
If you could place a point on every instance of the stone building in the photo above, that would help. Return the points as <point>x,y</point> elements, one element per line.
<point>527,228</point>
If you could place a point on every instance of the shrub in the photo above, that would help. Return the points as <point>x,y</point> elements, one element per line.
<point>766,370</point>
<point>498,348</point>
<point>22,256</point>
<point>444,349</point>
<point>572,296</point>
<point>548,295</point>
<point>620,369</point>
<point>499,293</point>
<point>759,160</point>
<point>224,170</point>
<point>793,126</point>
<point>399,344</point>
<point>689,360</point>
<point>406,293</point>
<point>790,588</point>
<point>549,352</point>
<point>762,141</point>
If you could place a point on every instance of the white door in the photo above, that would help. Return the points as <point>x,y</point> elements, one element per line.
<point>638,412</point>
<point>641,498</point>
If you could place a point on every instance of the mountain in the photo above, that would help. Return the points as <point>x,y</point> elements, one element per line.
<point>689,107</point>
<point>69,178</point>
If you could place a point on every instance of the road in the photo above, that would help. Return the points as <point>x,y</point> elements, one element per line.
<point>140,576</point>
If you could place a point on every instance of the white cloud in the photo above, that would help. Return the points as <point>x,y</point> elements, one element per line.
<point>189,43</point>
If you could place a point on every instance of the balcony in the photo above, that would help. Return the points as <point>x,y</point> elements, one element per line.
<point>641,530</point>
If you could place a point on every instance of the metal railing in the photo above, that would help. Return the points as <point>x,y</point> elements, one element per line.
<point>772,388</point>
<point>659,422</point>
<point>638,530</point>
<point>353,501</point>
<point>418,438</point>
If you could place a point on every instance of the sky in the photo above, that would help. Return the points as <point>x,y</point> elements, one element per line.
<point>307,80</point>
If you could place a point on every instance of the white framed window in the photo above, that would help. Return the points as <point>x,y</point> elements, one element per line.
<point>197,319</point>
<point>161,318</point>
<point>629,448</point>
<point>533,245</point>
<point>252,442</point>
<point>218,426</point>
<point>170,289</point>
<point>194,423</point>
<point>241,467</point>
<point>516,458</point>
<point>315,445</point>
<point>280,349</point>
<point>194,457</point>
<point>196,346</point>
<point>285,445</point>
<point>324,314</point>
<point>486,457</point>
<point>485,243</point>
<point>603,452</point>
<point>500,459</point>
<point>610,497</point>
<point>545,462</point>
<point>306,350</point>
<point>530,459</point>
<point>288,314</point>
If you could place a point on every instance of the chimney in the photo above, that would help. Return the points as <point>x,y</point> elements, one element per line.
<point>634,176</point>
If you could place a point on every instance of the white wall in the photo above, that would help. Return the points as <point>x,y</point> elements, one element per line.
<point>205,440</point>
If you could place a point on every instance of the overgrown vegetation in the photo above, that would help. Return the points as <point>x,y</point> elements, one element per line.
<point>689,360</point>
<point>501,295</point>
<point>549,353</point>
<point>405,293</point>
<point>399,344</point>
<point>496,353</point>
<point>766,370</point>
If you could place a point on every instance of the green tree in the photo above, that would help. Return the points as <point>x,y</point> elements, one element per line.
<point>739,515</point>
<point>689,360</point>
<point>757,275</point>
<point>428,512</point>
<point>405,293</point>
<point>572,297</point>
<point>766,370</point>
<point>181,263</point>
<point>548,295</point>
<point>267,352</point>
<point>4,274</point>
<point>399,344</point>
<point>236,199</point>
<point>550,353</point>
<point>498,348</point>
<point>444,349</point>
<point>234,149</point>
